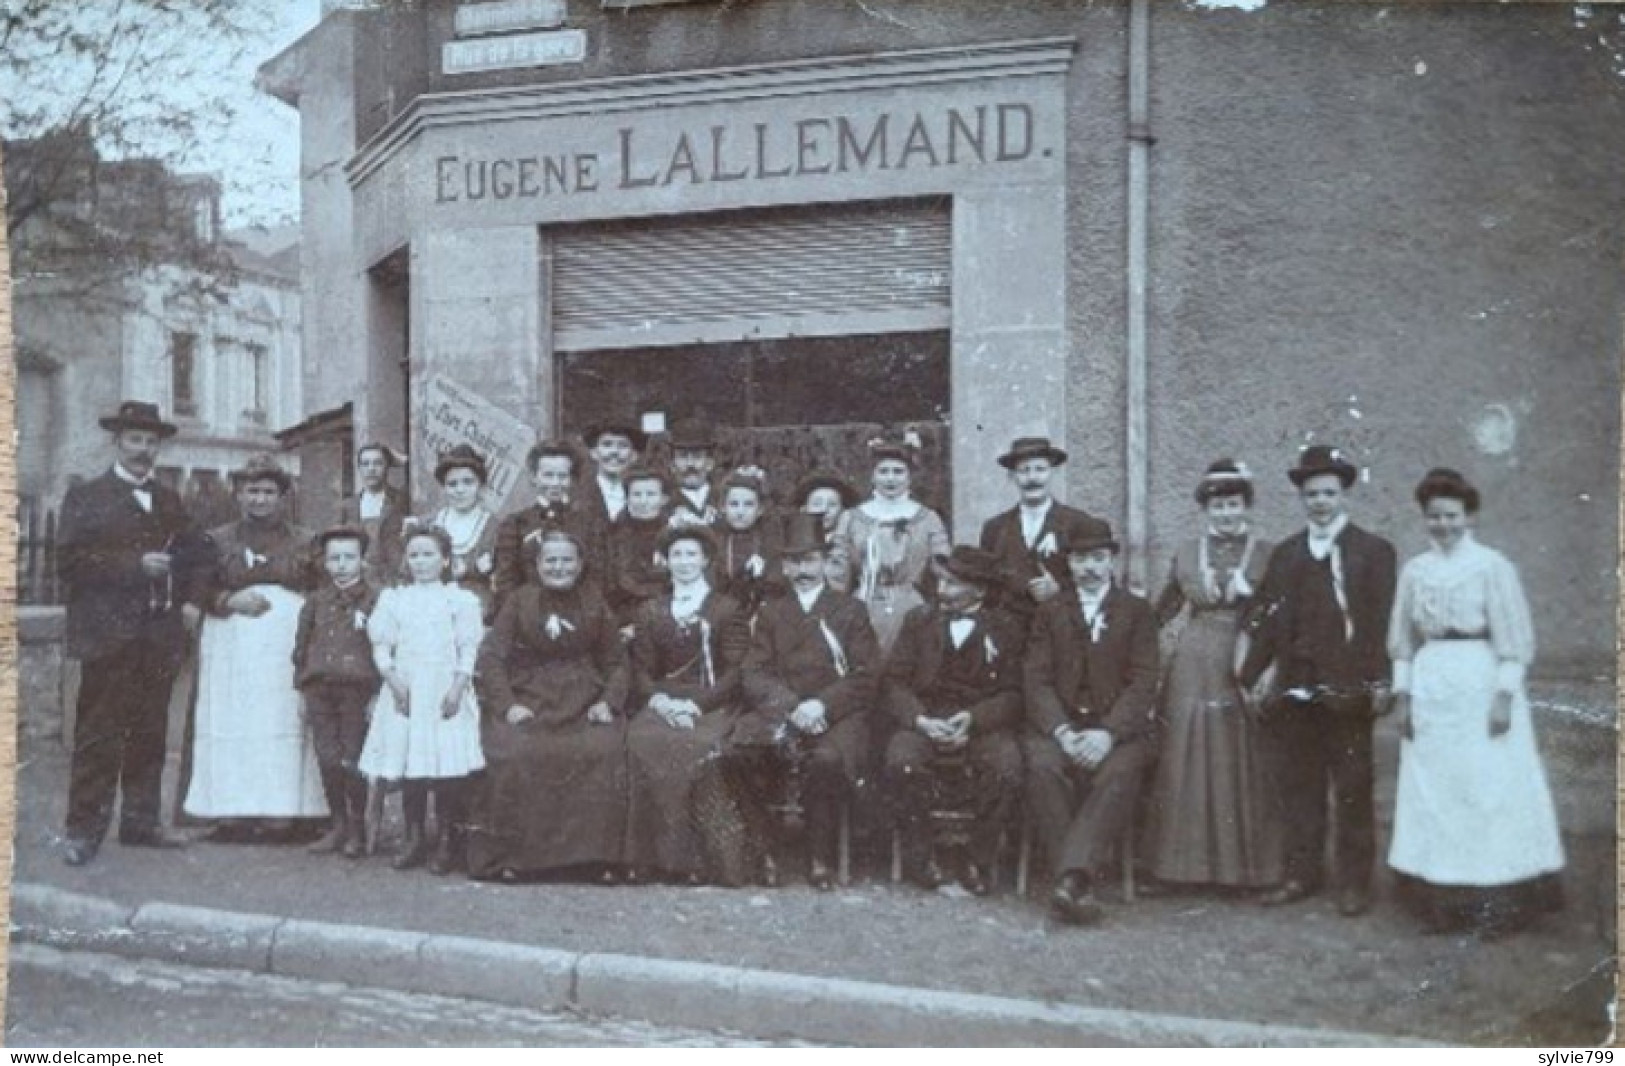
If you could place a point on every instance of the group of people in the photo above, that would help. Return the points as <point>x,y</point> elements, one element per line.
<point>637,676</point>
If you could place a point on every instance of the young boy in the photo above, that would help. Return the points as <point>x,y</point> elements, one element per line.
<point>638,572</point>
<point>747,565</point>
<point>333,668</point>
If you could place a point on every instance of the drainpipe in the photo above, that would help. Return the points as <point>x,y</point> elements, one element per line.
<point>1139,160</point>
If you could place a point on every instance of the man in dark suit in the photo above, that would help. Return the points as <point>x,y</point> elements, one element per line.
<point>380,509</point>
<point>1090,684</point>
<point>1321,616</point>
<point>1030,540</point>
<point>809,683</point>
<point>128,557</point>
<point>952,688</point>
<point>693,461</point>
<point>552,465</point>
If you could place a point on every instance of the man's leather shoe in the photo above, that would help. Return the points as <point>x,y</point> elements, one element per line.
<point>151,838</point>
<point>78,852</point>
<point>1353,901</point>
<point>1287,892</point>
<point>974,880</point>
<point>820,876</point>
<point>1073,900</point>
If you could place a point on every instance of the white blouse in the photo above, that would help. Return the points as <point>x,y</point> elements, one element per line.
<point>1470,589</point>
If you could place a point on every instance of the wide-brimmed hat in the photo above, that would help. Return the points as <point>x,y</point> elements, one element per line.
<point>1089,534</point>
<point>461,457</point>
<point>1319,459</point>
<point>262,467</point>
<point>692,435</point>
<point>803,535</point>
<point>969,564</point>
<point>1225,477</point>
<point>825,479</point>
<point>341,533</point>
<point>624,427</point>
<point>693,531</point>
<point>133,414</point>
<point>1031,448</point>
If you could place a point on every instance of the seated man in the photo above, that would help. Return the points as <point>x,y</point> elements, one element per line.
<point>952,686</point>
<point>809,680</point>
<point>1090,685</point>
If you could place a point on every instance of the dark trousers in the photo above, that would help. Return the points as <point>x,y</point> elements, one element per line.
<point>1081,814</point>
<point>983,780</point>
<point>1313,746</point>
<point>828,766</point>
<point>337,713</point>
<point>119,737</point>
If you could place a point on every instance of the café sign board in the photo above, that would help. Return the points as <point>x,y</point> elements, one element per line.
<point>513,51</point>
<point>508,16</point>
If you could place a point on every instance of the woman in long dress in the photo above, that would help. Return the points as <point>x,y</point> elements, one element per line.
<point>251,756</point>
<point>1476,841</point>
<point>1209,818</point>
<point>553,675</point>
<point>690,643</point>
<point>891,538</point>
<point>471,526</point>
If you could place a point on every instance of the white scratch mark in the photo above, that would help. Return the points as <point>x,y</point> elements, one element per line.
<point>884,16</point>
<point>1421,68</point>
<point>1238,5</point>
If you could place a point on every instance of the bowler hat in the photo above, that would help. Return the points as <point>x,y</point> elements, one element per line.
<point>355,533</point>
<point>1031,448</point>
<point>969,564</point>
<point>461,457</point>
<point>622,426</point>
<point>824,479</point>
<point>1089,534</point>
<point>133,414</point>
<point>803,535</point>
<point>262,467</point>
<point>692,435</point>
<point>1319,459</point>
<point>692,531</point>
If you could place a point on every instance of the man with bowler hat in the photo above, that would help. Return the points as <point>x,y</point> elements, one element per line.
<point>129,557</point>
<point>1321,616</point>
<point>952,691</point>
<point>1090,684</point>
<point>693,460</point>
<point>1030,540</point>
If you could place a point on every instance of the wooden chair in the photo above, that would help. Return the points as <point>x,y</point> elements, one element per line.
<point>1125,857</point>
<point>790,813</point>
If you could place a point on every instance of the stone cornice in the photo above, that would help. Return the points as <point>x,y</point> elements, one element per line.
<point>600,96</point>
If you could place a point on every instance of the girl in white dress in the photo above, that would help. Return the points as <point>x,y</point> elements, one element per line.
<point>1476,841</point>
<point>425,730</point>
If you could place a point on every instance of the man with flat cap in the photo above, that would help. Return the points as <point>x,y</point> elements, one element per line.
<point>1030,540</point>
<point>1090,684</point>
<point>1321,616</point>
<point>129,558</point>
<point>952,691</point>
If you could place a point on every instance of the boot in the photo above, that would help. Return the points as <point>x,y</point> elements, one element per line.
<point>449,851</point>
<point>339,829</point>
<point>355,803</point>
<point>415,806</point>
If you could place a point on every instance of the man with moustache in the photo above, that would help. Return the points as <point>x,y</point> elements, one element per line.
<point>129,558</point>
<point>693,461</point>
<point>613,445</point>
<point>552,466</point>
<point>809,681</point>
<point>1090,684</point>
<point>1030,540</point>
<point>379,509</point>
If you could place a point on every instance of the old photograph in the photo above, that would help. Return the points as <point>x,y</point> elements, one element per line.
<point>673,523</point>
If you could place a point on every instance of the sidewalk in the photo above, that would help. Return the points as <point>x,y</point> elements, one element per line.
<point>1156,960</point>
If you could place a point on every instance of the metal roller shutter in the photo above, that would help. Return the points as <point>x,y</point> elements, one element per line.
<point>826,270</point>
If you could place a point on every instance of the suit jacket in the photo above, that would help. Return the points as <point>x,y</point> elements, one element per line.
<point>920,678</point>
<point>1019,564</point>
<point>684,514</point>
<point>384,555</point>
<point>511,571</point>
<point>102,536</point>
<point>791,659</point>
<point>331,643</point>
<point>1295,620</point>
<point>1074,680</point>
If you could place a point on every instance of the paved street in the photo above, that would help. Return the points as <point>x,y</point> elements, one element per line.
<point>76,999</point>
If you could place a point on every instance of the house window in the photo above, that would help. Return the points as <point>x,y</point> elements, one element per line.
<point>183,373</point>
<point>259,383</point>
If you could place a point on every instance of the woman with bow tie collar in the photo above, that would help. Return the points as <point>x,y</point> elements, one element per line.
<point>462,475</point>
<point>690,644</point>
<point>553,679</point>
<point>1211,819</point>
<point>891,538</point>
<point>251,756</point>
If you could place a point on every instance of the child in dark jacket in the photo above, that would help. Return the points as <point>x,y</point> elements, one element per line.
<point>334,670</point>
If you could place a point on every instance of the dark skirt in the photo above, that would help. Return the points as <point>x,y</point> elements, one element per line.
<point>682,819</point>
<point>1490,910</point>
<point>554,797</point>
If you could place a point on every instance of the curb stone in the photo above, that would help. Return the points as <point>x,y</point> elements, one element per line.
<point>761,1003</point>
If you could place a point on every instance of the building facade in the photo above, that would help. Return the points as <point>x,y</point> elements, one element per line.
<point>1158,233</point>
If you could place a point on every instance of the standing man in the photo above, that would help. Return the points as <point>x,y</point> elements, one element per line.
<point>1030,540</point>
<point>128,556</point>
<point>1321,615</point>
<point>613,446</point>
<point>552,466</point>
<point>1090,683</point>
<point>379,509</point>
<point>693,461</point>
